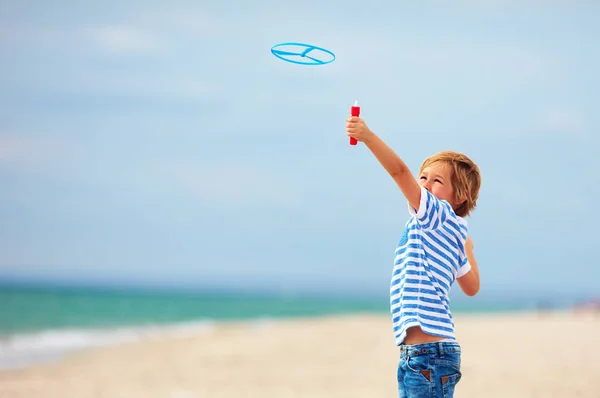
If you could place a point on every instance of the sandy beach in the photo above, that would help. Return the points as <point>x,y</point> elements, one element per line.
<point>516,355</point>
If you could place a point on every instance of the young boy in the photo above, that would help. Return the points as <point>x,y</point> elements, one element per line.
<point>433,252</point>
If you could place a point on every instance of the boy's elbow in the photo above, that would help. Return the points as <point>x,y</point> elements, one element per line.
<point>399,172</point>
<point>471,290</point>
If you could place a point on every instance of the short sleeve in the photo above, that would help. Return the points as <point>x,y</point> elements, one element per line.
<point>432,212</point>
<point>464,268</point>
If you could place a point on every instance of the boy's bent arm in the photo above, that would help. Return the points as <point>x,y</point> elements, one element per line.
<point>396,168</point>
<point>469,283</point>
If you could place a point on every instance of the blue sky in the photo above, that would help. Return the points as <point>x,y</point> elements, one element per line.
<point>162,144</point>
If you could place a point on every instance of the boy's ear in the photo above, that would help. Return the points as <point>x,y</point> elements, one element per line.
<point>461,198</point>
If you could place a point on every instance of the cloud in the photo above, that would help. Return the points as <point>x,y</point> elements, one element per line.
<point>192,21</point>
<point>122,39</point>
<point>483,58</point>
<point>23,150</point>
<point>49,158</point>
<point>150,83</point>
<point>8,147</point>
<point>101,39</point>
<point>142,180</point>
<point>495,4</point>
<point>557,121</point>
<point>226,184</point>
<point>560,121</point>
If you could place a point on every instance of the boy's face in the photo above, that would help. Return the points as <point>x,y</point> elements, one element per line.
<point>437,179</point>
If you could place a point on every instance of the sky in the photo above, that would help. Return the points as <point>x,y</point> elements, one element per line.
<point>162,144</point>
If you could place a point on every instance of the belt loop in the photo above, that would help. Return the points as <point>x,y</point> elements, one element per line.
<point>441,349</point>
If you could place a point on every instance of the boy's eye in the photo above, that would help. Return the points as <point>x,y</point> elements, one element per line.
<point>423,178</point>
<point>436,180</point>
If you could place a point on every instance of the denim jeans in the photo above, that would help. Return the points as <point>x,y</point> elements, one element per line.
<point>429,370</point>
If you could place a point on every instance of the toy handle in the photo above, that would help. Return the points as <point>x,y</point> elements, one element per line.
<point>354,111</point>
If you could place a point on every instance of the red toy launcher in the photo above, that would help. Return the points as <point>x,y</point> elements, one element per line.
<point>354,111</point>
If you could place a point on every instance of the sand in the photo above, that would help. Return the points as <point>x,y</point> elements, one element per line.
<point>505,355</point>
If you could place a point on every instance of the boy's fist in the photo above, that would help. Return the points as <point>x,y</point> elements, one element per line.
<point>356,128</point>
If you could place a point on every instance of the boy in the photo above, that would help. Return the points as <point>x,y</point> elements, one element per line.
<point>433,252</point>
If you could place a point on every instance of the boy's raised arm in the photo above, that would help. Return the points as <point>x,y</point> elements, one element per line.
<point>390,161</point>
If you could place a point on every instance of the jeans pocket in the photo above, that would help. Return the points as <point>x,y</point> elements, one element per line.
<point>448,374</point>
<point>415,378</point>
<point>449,384</point>
<point>420,367</point>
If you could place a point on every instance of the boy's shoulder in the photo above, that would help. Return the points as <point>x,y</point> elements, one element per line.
<point>434,214</point>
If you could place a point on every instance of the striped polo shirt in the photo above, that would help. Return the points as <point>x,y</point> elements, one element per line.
<point>429,257</point>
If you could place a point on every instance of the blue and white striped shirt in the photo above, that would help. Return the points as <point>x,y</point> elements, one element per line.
<point>429,258</point>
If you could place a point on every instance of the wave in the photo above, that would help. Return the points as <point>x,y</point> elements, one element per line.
<point>25,349</point>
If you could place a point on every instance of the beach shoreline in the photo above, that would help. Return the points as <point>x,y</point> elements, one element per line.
<point>504,354</point>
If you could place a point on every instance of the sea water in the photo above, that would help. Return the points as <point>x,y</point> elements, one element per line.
<point>42,324</point>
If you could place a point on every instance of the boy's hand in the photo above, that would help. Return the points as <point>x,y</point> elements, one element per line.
<point>356,128</point>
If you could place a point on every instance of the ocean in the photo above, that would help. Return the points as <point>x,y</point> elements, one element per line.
<point>39,324</point>
<point>43,323</point>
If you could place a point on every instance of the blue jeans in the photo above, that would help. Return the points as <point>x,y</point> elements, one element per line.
<point>429,370</point>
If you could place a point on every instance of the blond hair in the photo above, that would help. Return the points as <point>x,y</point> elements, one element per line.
<point>465,179</point>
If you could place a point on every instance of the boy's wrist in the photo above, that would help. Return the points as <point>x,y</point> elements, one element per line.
<point>369,137</point>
